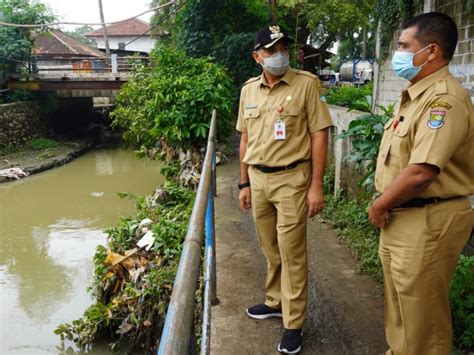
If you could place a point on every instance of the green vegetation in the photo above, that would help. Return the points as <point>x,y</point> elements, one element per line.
<point>170,102</point>
<point>42,143</point>
<point>16,96</point>
<point>47,153</point>
<point>16,43</point>
<point>327,20</point>
<point>132,296</point>
<point>349,219</point>
<point>366,133</point>
<point>391,13</point>
<point>462,303</point>
<point>352,97</point>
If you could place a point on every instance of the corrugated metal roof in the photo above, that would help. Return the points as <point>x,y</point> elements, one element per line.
<point>132,27</point>
<point>57,43</point>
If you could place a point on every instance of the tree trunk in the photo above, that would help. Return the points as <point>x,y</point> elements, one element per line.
<point>106,38</point>
<point>273,15</point>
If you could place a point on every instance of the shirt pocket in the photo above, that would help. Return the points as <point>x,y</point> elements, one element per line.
<point>253,121</point>
<point>251,113</point>
<point>289,116</point>
<point>400,144</point>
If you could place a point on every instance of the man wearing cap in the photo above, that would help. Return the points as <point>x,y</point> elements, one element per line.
<point>424,173</point>
<point>284,135</point>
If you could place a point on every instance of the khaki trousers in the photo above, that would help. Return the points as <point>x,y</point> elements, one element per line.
<point>419,250</point>
<point>280,213</point>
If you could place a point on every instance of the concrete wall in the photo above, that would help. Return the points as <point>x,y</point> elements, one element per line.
<point>143,44</point>
<point>19,123</point>
<point>346,177</point>
<point>462,65</point>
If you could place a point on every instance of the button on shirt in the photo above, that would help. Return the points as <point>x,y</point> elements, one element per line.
<point>296,96</point>
<point>434,124</point>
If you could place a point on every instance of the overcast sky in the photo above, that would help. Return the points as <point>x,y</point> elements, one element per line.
<point>88,10</point>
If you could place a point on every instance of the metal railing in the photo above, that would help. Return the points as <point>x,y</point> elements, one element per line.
<point>177,337</point>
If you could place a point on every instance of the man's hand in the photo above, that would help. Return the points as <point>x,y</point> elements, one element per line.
<point>315,201</point>
<point>378,217</point>
<point>244,199</point>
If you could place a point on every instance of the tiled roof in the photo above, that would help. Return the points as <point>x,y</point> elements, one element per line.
<point>132,27</point>
<point>56,43</point>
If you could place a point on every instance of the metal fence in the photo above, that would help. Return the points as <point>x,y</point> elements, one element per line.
<point>178,336</point>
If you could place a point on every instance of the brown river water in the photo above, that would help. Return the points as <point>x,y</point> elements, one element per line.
<point>50,225</point>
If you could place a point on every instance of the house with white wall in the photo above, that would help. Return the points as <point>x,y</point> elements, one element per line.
<point>125,37</point>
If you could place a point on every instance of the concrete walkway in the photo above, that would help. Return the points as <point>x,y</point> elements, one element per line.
<point>345,309</point>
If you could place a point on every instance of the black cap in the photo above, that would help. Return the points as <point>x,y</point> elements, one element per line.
<point>268,36</point>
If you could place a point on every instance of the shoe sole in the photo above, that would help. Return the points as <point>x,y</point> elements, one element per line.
<point>296,351</point>
<point>263,316</point>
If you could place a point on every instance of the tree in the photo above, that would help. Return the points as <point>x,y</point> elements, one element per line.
<point>79,34</point>
<point>202,24</point>
<point>15,42</point>
<point>328,21</point>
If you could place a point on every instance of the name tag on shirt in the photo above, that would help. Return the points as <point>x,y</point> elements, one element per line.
<point>280,131</point>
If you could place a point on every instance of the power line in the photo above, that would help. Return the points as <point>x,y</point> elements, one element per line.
<point>82,23</point>
<point>172,12</point>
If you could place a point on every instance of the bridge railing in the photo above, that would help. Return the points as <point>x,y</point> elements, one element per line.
<point>84,66</point>
<point>178,336</point>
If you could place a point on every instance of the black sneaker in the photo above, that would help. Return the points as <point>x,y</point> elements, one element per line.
<point>262,311</point>
<point>291,341</point>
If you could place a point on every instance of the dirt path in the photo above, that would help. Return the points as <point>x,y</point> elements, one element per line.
<point>345,310</point>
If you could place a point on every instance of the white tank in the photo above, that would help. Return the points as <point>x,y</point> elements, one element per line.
<point>358,71</point>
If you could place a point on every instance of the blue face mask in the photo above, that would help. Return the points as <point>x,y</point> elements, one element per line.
<point>402,64</point>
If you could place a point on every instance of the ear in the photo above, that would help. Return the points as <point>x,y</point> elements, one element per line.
<point>435,52</point>
<point>255,57</point>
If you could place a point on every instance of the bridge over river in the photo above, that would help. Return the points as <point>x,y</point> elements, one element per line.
<point>78,76</point>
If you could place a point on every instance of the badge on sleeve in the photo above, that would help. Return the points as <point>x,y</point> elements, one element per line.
<point>280,131</point>
<point>436,119</point>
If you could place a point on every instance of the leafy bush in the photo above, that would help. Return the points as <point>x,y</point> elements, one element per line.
<point>16,96</point>
<point>462,303</point>
<point>352,97</point>
<point>366,133</point>
<point>15,42</point>
<point>171,101</point>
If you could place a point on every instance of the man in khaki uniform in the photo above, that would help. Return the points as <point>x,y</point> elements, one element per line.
<point>283,125</point>
<point>424,173</point>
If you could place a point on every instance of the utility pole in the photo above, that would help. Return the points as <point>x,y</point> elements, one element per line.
<point>106,38</point>
<point>273,16</point>
<point>364,44</point>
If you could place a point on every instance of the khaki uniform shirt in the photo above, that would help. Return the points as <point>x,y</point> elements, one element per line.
<point>302,111</point>
<point>434,124</point>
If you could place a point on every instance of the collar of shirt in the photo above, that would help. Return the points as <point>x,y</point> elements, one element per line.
<point>287,78</point>
<point>418,88</point>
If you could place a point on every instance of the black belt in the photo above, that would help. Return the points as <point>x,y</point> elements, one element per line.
<point>273,169</point>
<point>421,202</point>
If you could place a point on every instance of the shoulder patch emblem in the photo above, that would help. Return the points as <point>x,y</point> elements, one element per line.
<point>436,119</point>
<point>441,104</point>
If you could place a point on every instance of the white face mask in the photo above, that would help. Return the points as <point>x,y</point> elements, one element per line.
<point>276,64</point>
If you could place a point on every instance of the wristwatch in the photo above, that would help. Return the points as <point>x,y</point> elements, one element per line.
<point>243,185</point>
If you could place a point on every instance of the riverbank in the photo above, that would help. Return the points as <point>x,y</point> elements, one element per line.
<point>33,161</point>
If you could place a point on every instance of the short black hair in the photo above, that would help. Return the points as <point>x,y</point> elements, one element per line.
<point>435,27</point>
